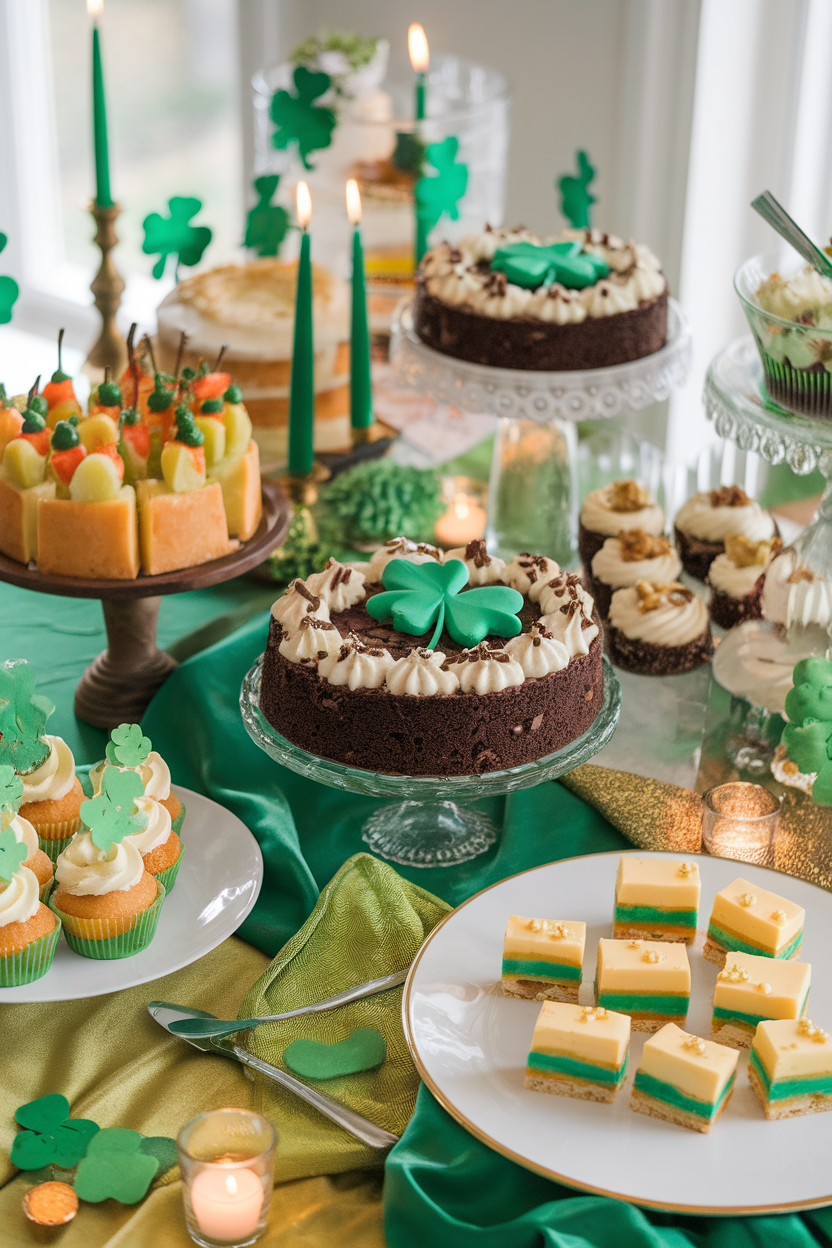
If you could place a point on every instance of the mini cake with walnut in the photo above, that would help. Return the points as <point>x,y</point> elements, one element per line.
<point>611,509</point>
<point>736,579</point>
<point>706,520</point>
<point>658,630</point>
<point>632,556</point>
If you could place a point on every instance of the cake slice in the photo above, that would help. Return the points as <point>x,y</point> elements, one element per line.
<point>751,989</point>
<point>180,530</point>
<point>790,1068</point>
<point>748,919</point>
<point>578,1051</point>
<point>656,899</point>
<point>683,1079</point>
<point>649,980</point>
<point>96,540</point>
<point>542,958</point>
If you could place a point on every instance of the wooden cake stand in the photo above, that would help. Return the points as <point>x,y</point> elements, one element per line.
<point>119,683</point>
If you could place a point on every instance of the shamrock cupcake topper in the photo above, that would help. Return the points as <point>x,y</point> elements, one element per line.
<point>112,815</point>
<point>12,855</point>
<point>127,747</point>
<point>23,716</point>
<point>11,795</point>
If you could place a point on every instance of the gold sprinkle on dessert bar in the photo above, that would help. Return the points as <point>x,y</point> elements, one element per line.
<point>686,869</point>
<point>694,1045</point>
<point>747,899</point>
<point>734,974</point>
<point>779,916</point>
<point>591,1012</point>
<point>764,988</point>
<point>652,955</point>
<point>807,1028</point>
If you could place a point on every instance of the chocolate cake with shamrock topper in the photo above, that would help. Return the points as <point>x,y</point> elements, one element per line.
<point>29,932</point>
<point>419,663</point>
<point>129,749</point>
<point>11,795</point>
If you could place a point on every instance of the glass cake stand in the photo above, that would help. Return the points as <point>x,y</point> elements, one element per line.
<point>432,824</point>
<point>533,486</point>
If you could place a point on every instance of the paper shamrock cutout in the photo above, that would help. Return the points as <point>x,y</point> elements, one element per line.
<point>267,224</point>
<point>311,1059</point>
<point>13,854</point>
<point>9,290</point>
<point>163,1148</point>
<point>440,193</point>
<point>110,816</point>
<point>531,265</point>
<point>174,235</point>
<point>11,794</point>
<point>115,1167</point>
<point>299,119</point>
<point>128,747</point>
<point>422,595</point>
<point>808,735</point>
<point>23,716</point>
<point>575,198</point>
<point>50,1136</point>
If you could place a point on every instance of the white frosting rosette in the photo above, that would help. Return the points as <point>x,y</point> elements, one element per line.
<point>54,778</point>
<point>398,548</point>
<point>538,653</point>
<point>707,521</point>
<point>609,567</point>
<point>19,898</point>
<point>679,618</point>
<point>488,671</point>
<point>338,586</point>
<point>483,569</point>
<point>87,871</point>
<point>529,574</point>
<point>357,666</point>
<point>157,829</point>
<point>25,834</point>
<point>297,602</point>
<point>419,674</point>
<point>312,641</point>
<point>572,628</point>
<point>599,515</point>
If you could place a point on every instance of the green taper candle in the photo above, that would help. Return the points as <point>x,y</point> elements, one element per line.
<point>302,387</point>
<point>417,47</point>
<point>103,198</point>
<point>361,389</point>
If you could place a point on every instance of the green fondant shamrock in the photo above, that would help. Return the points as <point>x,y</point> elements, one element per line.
<point>440,192</point>
<point>267,224</point>
<point>298,119</point>
<point>11,794</point>
<point>575,197</point>
<point>9,290</point>
<point>23,716</point>
<point>115,1167</point>
<point>424,595</point>
<point>13,854</point>
<point>128,747</point>
<point>808,735</point>
<point>311,1059</point>
<point>111,816</point>
<point>531,265</point>
<point>50,1136</point>
<point>174,235</point>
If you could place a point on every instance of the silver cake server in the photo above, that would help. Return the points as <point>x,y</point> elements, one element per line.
<point>376,1137</point>
<point>772,211</point>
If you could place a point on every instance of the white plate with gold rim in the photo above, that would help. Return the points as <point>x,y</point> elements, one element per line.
<point>217,885</point>
<point>470,1044</point>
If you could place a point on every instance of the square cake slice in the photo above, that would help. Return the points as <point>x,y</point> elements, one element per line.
<point>750,989</point>
<point>684,1079</point>
<point>542,958</point>
<point>748,919</point>
<point>578,1051</point>
<point>656,899</point>
<point>649,980</point>
<point>790,1068</point>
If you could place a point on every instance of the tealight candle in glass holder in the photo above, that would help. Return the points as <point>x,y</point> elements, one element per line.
<point>227,1162</point>
<point>740,820</point>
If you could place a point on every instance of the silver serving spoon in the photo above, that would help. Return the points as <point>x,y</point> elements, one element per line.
<point>166,1014</point>
<point>772,211</point>
<point>194,1023</point>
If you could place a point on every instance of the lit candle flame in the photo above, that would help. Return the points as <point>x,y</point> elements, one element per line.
<point>461,508</point>
<point>417,47</point>
<point>304,204</point>
<point>353,201</point>
<point>231,1185</point>
<point>95,8</point>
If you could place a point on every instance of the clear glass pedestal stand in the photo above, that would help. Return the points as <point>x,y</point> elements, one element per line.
<point>432,823</point>
<point>533,500</point>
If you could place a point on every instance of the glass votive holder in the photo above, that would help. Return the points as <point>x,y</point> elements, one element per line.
<point>740,820</point>
<point>227,1162</point>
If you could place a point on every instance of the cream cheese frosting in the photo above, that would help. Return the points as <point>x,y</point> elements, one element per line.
<point>87,871</point>
<point>572,628</point>
<point>709,519</point>
<point>154,773</point>
<point>25,834</point>
<point>678,617</point>
<point>297,602</point>
<point>806,294</point>
<point>563,589</point>
<point>609,566</point>
<point>726,577</point>
<point>55,776</point>
<point>398,548</point>
<point>529,574</point>
<point>621,505</point>
<point>19,898</point>
<point>483,569</point>
<point>357,666</point>
<point>420,674</point>
<point>313,640</point>
<point>794,595</point>
<point>488,671</point>
<point>338,586</point>
<point>538,652</point>
<point>157,829</point>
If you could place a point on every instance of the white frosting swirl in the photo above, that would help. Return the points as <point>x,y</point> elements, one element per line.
<point>314,640</point>
<point>598,516</point>
<point>700,519</point>
<point>19,898</point>
<point>153,772</point>
<point>572,628</point>
<point>25,834</point>
<point>361,667</point>
<point>529,574</point>
<point>537,653</point>
<point>564,589</point>
<point>419,674</point>
<point>483,569</point>
<point>669,624</point>
<point>789,597</point>
<point>609,567</point>
<point>55,776</point>
<point>338,586</point>
<point>87,871</point>
<point>399,548</point>
<point>726,577</point>
<point>480,671</point>
<point>157,829</point>
<point>792,298</point>
<point>295,604</point>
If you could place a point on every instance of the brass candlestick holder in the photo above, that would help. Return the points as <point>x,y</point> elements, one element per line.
<point>303,490</point>
<point>378,431</point>
<point>110,351</point>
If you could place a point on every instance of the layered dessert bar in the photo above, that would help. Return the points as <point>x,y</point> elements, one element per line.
<point>542,958</point>
<point>656,899</point>
<point>649,980</point>
<point>790,1068</point>
<point>684,1079</point>
<point>747,919</point>
<point>578,1051</point>
<point>751,989</point>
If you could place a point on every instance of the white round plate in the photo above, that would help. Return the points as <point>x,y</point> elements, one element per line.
<point>470,1045</point>
<point>217,885</point>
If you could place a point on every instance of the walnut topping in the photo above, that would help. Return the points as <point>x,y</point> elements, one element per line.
<point>475,552</point>
<point>627,496</point>
<point>734,974</point>
<point>653,956</point>
<point>636,545</point>
<point>764,988</point>
<point>807,1028</point>
<point>747,554</point>
<point>779,916</point>
<point>651,596</point>
<point>694,1045</point>
<point>686,869</point>
<point>747,899</point>
<point>729,496</point>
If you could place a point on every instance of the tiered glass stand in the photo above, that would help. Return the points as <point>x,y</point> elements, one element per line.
<point>432,824</point>
<point>533,495</point>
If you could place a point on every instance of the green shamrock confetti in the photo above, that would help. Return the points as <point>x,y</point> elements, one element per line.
<point>267,224</point>
<point>128,747</point>
<point>364,1049</point>
<point>163,1148</point>
<point>115,1167</point>
<point>23,716</point>
<point>440,192</point>
<point>9,290</point>
<point>174,235</point>
<point>11,794</point>
<point>111,816</point>
<point>13,854</point>
<point>575,197</point>
<point>50,1136</point>
<point>808,735</point>
<point>298,119</point>
<point>532,265</point>
<point>424,595</point>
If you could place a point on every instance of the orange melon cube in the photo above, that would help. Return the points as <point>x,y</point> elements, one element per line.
<point>240,482</point>
<point>19,518</point>
<point>180,530</point>
<point>97,539</point>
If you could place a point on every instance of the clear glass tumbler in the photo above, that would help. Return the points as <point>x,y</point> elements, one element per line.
<point>740,820</point>
<point>227,1162</point>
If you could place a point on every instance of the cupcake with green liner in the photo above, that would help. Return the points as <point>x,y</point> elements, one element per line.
<point>108,903</point>
<point>158,844</point>
<point>11,792</point>
<point>128,749</point>
<point>29,931</point>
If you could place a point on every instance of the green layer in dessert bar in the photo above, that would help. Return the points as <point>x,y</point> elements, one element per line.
<point>671,1095</point>
<point>735,944</point>
<point>786,1089</point>
<point>656,914</point>
<point>572,1068</point>
<point>749,1020</point>
<point>528,968</point>
<point>669,1005</point>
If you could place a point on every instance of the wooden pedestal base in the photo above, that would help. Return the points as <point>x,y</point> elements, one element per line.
<point>117,686</point>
